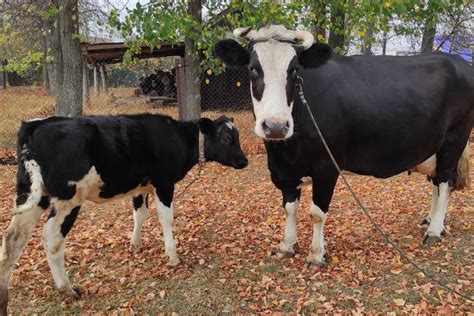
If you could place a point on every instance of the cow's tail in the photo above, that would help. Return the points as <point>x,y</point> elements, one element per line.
<point>462,179</point>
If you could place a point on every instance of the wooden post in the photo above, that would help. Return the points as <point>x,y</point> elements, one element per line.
<point>96,80</point>
<point>85,83</point>
<point>103,75</point>
<point>181,87</point>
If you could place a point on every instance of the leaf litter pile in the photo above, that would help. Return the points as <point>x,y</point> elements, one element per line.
<point>226,226</point>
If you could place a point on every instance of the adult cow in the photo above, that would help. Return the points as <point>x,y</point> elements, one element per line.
<point>64,161</point>
<point>380,116</point>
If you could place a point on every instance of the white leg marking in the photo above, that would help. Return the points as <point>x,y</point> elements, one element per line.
<point>15,239</point>
<point>139,216</point>
<point>21,227</point>
<point>316,250</point>
<point>165,214</point>
<point>434,202</point>
<point>437,218</point>
<point>53,242</point>
<point>289,240</point>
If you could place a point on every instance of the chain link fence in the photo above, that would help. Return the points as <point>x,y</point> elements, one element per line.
<point>147,86</point>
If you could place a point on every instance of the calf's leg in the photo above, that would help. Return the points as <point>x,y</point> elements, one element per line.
<point>31,202</point>
<point>164,206</point>
<point>140,214</point>
<point>60,221</point>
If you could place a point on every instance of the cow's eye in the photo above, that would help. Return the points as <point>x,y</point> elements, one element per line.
<point>253,71</point>
<point>227,139</point>
<point>293,72</point>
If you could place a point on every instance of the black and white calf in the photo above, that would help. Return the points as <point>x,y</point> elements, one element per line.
<point>63,162</point>
<point>381,115</point>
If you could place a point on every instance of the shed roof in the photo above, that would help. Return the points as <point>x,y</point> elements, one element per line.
<point>111,53</point>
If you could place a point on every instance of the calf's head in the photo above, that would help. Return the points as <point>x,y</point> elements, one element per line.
<point>221,142</point>
<point>273,57</point>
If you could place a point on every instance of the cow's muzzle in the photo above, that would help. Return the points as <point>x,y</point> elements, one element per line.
<point>275,128</point>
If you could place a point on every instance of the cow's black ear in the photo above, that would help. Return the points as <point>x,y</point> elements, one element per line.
<point>315,56</point>
<point>231,53</point>
<point>207,127</point>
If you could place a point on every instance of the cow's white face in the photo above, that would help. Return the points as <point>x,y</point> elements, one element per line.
<point>272,60</point>
<point>272,69</point>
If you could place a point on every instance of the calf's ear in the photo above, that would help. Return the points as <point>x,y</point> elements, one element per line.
<point>207,127</point>
<point>231,53</point>
<point>315,56</point>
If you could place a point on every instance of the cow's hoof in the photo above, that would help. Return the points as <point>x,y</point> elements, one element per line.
<point>425,221</point>
<point>316,265</point>
<point>74,292</point>
<point>3,300</point>
<point>429,240</point>
<point>313,264</point>
<point>284,252</point>
<point>135,248</point>
<point>174,262</point>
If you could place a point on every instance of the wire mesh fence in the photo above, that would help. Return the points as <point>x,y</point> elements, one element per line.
<point>147,86</point>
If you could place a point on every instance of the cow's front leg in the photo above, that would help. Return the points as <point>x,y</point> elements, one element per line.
<point>60,221</point>
<point>290,204</point>
<point>434,202</point>
<point>140,214</point>
<point>164,204</point>
<point>323,187</point>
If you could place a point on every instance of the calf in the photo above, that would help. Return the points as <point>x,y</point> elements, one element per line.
<point>64,161</point>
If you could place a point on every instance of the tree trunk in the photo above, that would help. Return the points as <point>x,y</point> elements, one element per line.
<point>45,66</point>
<point>367,41</point>
<point>427,41</point>
<point>192,107</point>
<point>336,33</point>
<point>317,25</point>
<point>384,43</point>
<point>65,71</point>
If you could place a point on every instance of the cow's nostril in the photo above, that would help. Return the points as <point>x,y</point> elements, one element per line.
<point>266,128</point>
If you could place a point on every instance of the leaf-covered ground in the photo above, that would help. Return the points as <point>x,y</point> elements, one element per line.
<point>227,224</point>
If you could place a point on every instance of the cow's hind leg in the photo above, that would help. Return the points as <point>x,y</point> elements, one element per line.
<point>323,187</point>
<point>30,202</point>
<point>60,221</point>
<point>140,214</point>
<point>289,244</point>
<point>446,173</point>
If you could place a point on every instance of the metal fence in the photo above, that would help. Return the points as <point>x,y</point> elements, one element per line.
<point>149,85</point>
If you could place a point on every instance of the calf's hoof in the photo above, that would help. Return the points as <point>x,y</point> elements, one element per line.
<point>74,292</point>
<point>3,300</point>
<point>135,248</point>
<point>429,240</point>
<point>174,261</point>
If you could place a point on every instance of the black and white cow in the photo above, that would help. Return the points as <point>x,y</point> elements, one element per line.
<point>380,116</point>
<point>63,162</point>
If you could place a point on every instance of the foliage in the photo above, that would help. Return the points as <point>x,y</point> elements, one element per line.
<point>21,58</point>
<point>160,22</point>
